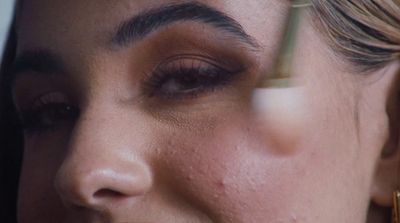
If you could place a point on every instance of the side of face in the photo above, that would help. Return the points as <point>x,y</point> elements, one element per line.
<point>161,127</point>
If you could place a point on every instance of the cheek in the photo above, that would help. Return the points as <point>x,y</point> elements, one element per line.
<point>40,163</point>
<point>229,171</point>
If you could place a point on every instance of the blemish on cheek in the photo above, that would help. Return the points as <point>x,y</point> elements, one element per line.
<point>189,178</point>
<point>220,189</point>
<point>221,185</point>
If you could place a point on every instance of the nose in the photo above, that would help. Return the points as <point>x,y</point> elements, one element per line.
<point>104,165</point>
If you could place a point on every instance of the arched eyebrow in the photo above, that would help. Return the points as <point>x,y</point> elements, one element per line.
<point>147,22</point>
<point>39,61</point>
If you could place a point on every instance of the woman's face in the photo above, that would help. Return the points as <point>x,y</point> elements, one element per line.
<point>141,111</point>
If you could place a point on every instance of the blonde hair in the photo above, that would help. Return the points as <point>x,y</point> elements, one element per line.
<point>365,32</point>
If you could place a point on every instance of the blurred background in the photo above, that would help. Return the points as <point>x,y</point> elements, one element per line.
<point>6,7</point>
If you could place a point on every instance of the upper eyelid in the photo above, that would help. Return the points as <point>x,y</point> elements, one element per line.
<point>174,64</point>
<point>222,64</point>
<point>38,101</point>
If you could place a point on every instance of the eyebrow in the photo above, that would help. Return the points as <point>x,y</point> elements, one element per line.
<point>38,61</point>
<point>148,22</point>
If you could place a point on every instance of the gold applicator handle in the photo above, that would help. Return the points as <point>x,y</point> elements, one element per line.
<point>281,75</point>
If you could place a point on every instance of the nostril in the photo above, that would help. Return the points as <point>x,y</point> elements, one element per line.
<point>102,185</point>
<point>103,193</point>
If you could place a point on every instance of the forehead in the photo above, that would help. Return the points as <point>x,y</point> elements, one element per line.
<point>51,22</point>
<point>93,8</point>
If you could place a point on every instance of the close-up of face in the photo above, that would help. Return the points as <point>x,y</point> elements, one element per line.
<point>143,111</point>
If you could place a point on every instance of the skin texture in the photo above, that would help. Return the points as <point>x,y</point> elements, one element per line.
<point>135,157</point>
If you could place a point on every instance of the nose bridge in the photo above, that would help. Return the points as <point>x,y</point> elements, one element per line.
<point>105,161</point>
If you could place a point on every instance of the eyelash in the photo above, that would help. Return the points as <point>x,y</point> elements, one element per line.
<point>47,114</point>
<point>191,75</point>
<point>199,75</point>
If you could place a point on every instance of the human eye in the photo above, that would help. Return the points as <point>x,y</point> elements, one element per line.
<point>189,76</point>
<point>48,113</point>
